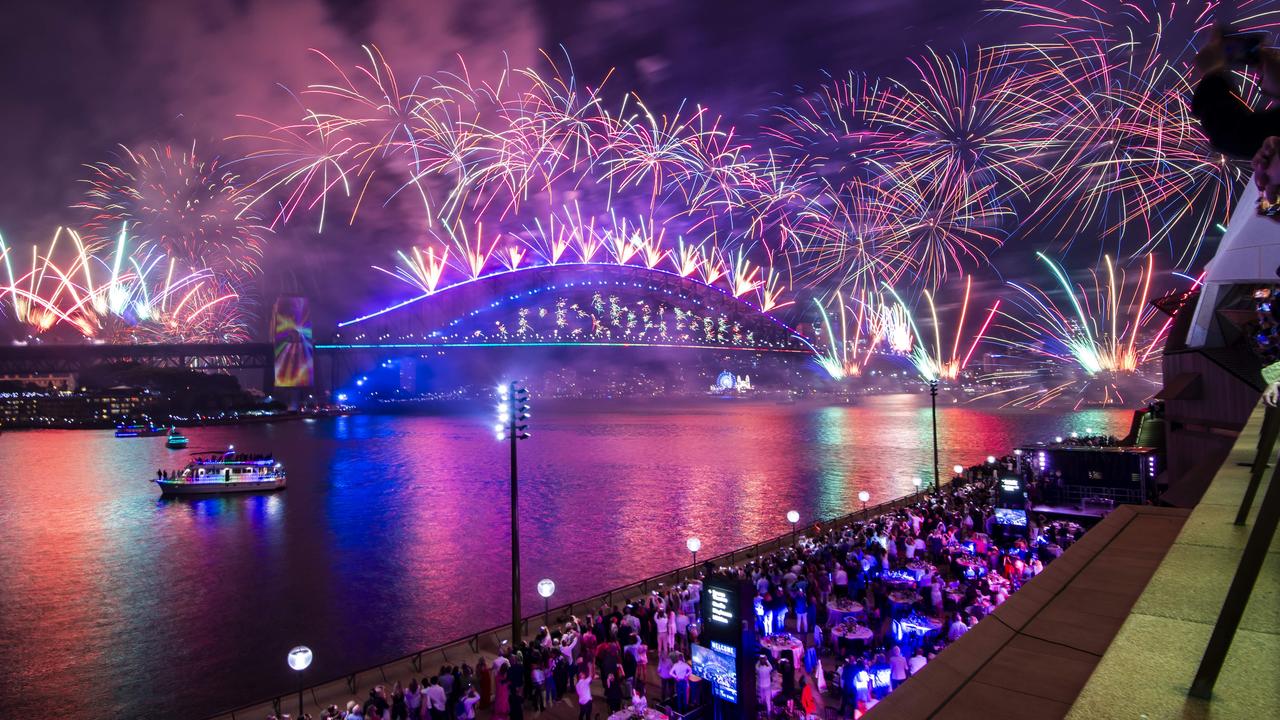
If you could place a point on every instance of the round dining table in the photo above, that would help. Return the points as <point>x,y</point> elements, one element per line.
<point>921,569</point>
<point>903,600</point>
<point>631,714</point>
<point>851,636</point>
<point>840,610</point>
<point>775,644</point>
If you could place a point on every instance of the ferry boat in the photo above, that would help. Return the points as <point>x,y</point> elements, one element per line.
<point>132,430</point>
<point>176,440</point>
<point>223,472</point>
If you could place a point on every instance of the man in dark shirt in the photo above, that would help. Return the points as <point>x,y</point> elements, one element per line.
<point>1232,126</point>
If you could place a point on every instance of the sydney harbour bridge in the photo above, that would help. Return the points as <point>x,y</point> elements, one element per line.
<point>567,305</point>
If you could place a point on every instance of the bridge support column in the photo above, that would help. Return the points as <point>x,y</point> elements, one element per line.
<point>269,371</point>
<point>408,374</point>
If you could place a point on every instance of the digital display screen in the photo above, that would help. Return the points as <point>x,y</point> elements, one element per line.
<point>1008,516</point>
<point>1011,494</point>
<point>718,665</point>
<point>294,347</point>
<point>720,620</point>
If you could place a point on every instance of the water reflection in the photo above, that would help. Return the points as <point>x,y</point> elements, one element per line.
<point>394,532</point>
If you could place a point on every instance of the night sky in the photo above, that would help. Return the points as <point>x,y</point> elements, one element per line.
<point>81,76</point>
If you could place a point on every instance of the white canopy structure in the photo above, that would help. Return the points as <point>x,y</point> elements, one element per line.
<point>1249,254</point>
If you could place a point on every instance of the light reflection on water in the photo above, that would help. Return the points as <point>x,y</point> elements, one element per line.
<point>393,534</point>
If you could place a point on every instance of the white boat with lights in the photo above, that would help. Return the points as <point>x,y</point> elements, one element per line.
<point>211,473</point>
<point>175,440</point>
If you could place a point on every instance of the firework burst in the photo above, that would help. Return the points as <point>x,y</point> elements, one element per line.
<point>845,343</point>
<point>928,353</point>
<point>1097,339</point>
<point>177,205</point>
<point>965,127</point>
<point>113,294</point>
<point>1132,170</point>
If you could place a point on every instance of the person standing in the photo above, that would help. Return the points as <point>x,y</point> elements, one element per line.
<point>764,684</point>
<point>583,688</point>
<point>642,667</point>
<point>897,667</point>
<point>614,687</point>
<point>501,694</point>
<point>484,684</point>
<point>802,611</point>
<point>660,624</point>
<point>680,672</point>
<point>539,688</point>
<point>469,702</point>
<point>807,700</point>
<point>588,656</point>
<point>399,704</point>
<point>787,674</point>
<point>413,700</point>
<point>436,699</point>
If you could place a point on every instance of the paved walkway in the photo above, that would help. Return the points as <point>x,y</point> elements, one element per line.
<point>1147,670</point>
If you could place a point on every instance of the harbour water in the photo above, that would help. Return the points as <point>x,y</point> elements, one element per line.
<point>393,532</point>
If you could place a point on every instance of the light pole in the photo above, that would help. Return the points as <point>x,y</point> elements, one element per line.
<point>694,545</point>
<point>917,482</point>
<point>793,517</point>
<point>513,411</point>
<point>546,588</point>
<point>933,404</point>
<point>864,496</point>
<point>299,659</point>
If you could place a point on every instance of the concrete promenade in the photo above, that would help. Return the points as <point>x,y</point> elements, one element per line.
<point>1148,669</point>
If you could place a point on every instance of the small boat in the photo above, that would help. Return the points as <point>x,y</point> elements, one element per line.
<point>132,430</point>
<point>211,473</point>
<point>176,440</point>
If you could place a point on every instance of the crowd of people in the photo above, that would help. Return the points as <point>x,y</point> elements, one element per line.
<point>873,603</point>
<point>857,610</point>
<point>1076,440</point>
<point>625,653</point>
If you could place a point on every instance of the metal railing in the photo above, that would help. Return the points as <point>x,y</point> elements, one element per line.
<point>1251,559</point>
<point>496,634</point>
<point>1082,494</point>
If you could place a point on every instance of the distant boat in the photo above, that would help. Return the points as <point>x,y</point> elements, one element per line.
<point>176,440</point>
<point>132,430</point>
<point>223,472</point>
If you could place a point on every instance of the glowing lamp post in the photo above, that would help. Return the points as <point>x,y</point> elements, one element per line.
<point>933,414</point>
<point>917,482</point>
<point>546,588</point>
<point>513,412</point>
<point>793,517</point>
<point>991,459</point>
<point>694,545</point>
<point>863,497</point>
<point>958,470</point>
<point>300,659</point>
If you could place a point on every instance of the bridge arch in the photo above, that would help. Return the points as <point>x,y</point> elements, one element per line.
<point>660,307</point>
